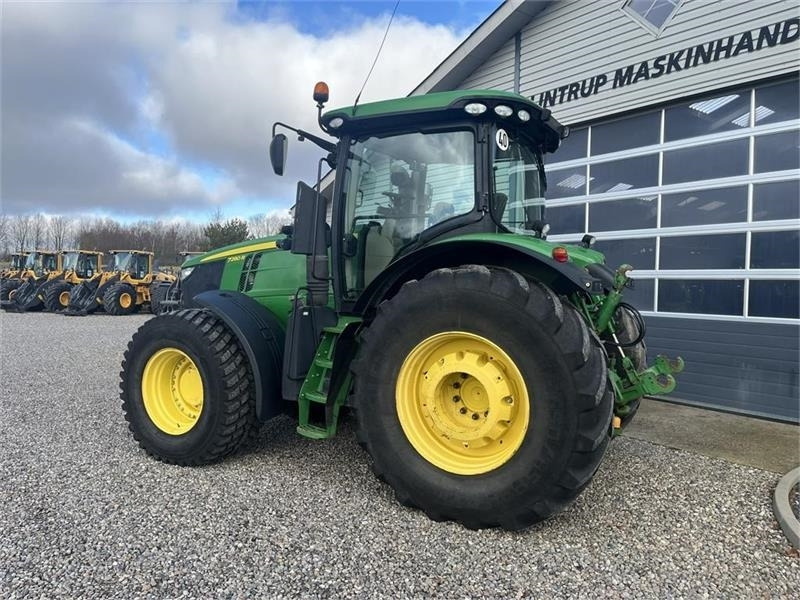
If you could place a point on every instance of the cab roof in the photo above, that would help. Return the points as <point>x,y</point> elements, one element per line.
<point>93,252</point>
<point>443,107</point>
<point>131,251</point>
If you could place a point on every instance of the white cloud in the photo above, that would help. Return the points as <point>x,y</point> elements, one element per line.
<point>86,89</point>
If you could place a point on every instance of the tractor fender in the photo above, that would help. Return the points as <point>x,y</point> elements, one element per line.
<point>563,278</point>
<point>260,335</point>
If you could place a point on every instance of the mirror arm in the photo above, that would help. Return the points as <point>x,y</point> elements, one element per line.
<point>304,135</point>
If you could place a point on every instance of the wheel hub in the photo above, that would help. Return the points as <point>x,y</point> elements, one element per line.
<point>63,298</point>
<point>462,403</point>
<point>172,391</point>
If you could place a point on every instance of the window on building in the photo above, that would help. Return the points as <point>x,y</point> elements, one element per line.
<point>623,134</point>
<point>777,152</point>
<point>778,200</point>
<point>654,13</point>
<point>566,182</point>
<point>722,251</point>
<point>630,213</point>
<point>704,207</point>
<point>718,200</point>
<point>566,219</point>
<point>640,253</point>
<point>770,298</point>
<point>775,250</point>
<point>625,174</point>
<point>572,148</point>
<point>704,296</point>
<point>726,112</point>
<point>712,161</point>
<point>777,102</point>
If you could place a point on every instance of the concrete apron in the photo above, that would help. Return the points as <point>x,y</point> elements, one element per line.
<point>749,441</point>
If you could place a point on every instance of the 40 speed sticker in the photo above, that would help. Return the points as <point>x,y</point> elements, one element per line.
<point>501,137</point>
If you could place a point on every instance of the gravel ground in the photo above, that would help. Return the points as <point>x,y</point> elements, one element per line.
<point>87,514</point>
<point>794,500</point>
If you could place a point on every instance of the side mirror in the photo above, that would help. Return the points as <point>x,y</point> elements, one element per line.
<point>277,152</point>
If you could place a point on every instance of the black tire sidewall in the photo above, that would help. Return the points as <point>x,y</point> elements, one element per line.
<point>114,293</point>
<point>165,332</point>
<point>548,441</point>
<point>52,295</point>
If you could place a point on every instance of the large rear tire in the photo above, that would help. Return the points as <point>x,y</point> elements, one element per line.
<point>187,388</point>
<point>482,398</point>
<point>120,299</point>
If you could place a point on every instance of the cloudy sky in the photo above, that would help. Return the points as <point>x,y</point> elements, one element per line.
<point>164,109</point>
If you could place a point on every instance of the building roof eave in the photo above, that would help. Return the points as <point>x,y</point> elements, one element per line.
<point>489,36</point>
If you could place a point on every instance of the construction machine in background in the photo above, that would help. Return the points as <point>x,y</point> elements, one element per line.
<point>19,293</point>
<point>79,266</point>
<point>122,290</point>
<point>13,269</point>
<point>165,297</point>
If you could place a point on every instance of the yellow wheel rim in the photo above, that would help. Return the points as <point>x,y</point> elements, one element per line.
<point>172,390</point>
<point>125,300</point>
<point>63,298</point>
<point>462,403</point>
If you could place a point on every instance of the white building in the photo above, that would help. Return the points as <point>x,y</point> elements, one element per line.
<point>683,160</point>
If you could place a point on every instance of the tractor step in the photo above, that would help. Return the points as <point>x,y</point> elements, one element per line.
<point>316,389</point>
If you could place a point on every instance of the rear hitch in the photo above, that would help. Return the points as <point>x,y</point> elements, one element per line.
<point>656,380</point>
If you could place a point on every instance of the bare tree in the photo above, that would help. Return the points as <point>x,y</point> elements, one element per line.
<point>60,229</point>
<point>265,224</point>
<point>21,230</point>
<point>39,230</point>
<point>5,232</point>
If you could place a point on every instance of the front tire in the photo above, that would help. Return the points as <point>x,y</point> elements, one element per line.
<point>120,299</point>
<point>187,390</point>
<point>56,296</point>
<point>427,364</point>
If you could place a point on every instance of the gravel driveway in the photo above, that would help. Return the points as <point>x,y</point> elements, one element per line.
<point>86,514</point>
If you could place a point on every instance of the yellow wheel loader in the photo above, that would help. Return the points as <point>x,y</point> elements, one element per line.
<point>121,291</point>
<point>79,266</point>
<point>17,262</point>
<point>19,293</point>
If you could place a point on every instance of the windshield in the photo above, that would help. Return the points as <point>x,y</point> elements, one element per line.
<point>122,261</point>
<point>518,189</point>
<point>30,261</point>
<point>70,260</point>
<point>397,187</point>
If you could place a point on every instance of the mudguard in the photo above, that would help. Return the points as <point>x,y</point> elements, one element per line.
<point>563,278</point>
<point>261,336</point>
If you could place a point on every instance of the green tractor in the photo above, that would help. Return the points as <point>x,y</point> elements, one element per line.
<point>487,368</point>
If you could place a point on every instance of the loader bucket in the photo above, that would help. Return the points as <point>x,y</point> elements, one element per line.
<point>87,297</point>
<point>25,297</point>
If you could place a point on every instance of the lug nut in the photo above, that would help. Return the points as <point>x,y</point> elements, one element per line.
<point>456,398</point>
<point>475,416</point>
<point>456,385</point>
<point>462,410</point>
<point>464,376</point>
